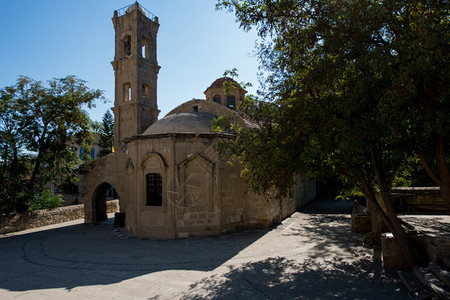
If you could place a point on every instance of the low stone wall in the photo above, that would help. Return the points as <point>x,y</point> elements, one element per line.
<point>418,200</point>
<point>392,253</point>
<point>39,218</point>
<point>361,223</point>
<point>437,248</point>
<point>430,234</point>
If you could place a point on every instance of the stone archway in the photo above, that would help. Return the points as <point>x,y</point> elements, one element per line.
<point>104,192</point>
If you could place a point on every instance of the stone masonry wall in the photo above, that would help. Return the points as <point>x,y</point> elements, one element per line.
<point>418,200</point>
<point>39,218</point>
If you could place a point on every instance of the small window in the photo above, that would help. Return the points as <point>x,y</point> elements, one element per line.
<point>216,99</point>
<point>81,153</point>
<point>93,153</point>
<point>154,189</point>
<point>230,102</point>
<point>144,51</point>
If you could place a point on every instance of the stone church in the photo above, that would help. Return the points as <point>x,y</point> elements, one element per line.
<point>169,179</point>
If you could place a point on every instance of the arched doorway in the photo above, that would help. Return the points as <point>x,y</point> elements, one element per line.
<point>105,192</point>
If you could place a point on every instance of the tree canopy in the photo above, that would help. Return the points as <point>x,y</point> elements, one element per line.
<point>355,88</point>
<point>40,125</point>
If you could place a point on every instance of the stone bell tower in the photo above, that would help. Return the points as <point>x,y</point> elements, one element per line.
<point>136,72</point>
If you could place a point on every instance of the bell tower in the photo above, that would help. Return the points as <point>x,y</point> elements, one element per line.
<point>135,70</point>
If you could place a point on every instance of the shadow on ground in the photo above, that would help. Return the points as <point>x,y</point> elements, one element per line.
<point>83,255</point>
<point>281,278</point>
<point>311,255</point>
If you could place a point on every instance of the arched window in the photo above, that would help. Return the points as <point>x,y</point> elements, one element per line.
<point>127,45</point>
<point>217,99</point>
<point>145,91</point>
<point>230,102</point>
<point>127,92</point>
<point>144,48</point>
<point>154,189</point>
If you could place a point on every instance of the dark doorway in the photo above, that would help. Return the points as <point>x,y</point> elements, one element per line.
<point>104,193</point>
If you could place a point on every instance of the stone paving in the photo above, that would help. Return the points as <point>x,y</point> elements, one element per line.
<point>311,255</point>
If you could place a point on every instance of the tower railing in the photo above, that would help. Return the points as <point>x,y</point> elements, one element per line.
<point>148,14</point>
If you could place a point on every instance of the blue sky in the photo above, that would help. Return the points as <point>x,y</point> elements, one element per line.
<point>55,38</point>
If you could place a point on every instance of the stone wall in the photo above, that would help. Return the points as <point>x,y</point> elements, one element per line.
<point>305,190</point>
<point>361,223</point>
<point>38,218</point>
<point>437,248</point>
<point>418,200</point>
<point>393,256</point>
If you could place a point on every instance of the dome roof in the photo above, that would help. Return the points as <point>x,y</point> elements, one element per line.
<point>135,6</point>
<point>218,83</point>
<point>185,122</point>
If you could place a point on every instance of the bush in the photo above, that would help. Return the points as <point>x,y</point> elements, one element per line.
<point>45,200</point>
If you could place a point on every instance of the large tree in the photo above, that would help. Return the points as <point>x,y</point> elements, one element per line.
<point>39,128</point>
<point>356,87</point>
<point>106,134</point>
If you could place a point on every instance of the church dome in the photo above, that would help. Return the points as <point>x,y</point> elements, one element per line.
<point>218,83</point>
<point>185,122</point>
<point>135,6</point>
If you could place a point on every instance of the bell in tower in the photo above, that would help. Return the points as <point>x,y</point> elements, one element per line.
<point>135,70</point>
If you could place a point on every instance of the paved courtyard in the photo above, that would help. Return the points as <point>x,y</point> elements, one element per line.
<point>311,255</point>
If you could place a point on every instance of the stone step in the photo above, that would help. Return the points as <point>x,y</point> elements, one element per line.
<point>409,280</point>
<point>446,261</point>
<point>416,289</point>
<point>441,271</point>
<point>427,277</point>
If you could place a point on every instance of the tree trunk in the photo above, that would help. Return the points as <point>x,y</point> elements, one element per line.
<point>385,211</point>
<point>442,178</point>
<point>442,166</point>
<point>410,252</point>
<point>375,220</point>
<point>37,163</point>
<point>376,212</point>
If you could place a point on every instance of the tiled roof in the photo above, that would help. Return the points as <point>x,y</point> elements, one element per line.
<point>185,122</point>
<point>218,83</point>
